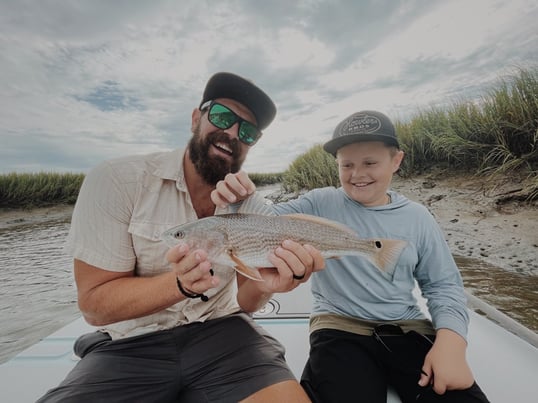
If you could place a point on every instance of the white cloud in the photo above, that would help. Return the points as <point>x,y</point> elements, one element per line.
<point>85,81</point>
<point>293,49</point>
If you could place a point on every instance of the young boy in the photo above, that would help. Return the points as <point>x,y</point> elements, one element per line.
<point>366,330</point>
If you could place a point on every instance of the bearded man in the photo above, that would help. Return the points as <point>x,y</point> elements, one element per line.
<point>173,326</point>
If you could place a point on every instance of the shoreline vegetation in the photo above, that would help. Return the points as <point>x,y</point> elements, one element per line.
<point>496,137</point>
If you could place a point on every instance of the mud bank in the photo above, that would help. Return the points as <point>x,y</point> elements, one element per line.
<point>478,221</point>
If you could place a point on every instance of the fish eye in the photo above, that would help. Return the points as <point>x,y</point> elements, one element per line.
<point>179,235</point>
<point>378,244</point>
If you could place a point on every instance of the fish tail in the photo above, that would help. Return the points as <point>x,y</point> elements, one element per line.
<point>387,253</point>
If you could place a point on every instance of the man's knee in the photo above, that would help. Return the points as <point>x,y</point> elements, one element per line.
<point>285,391</point>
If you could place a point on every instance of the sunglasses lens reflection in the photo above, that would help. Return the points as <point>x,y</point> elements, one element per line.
<point>222,117</point>
<point>248,133</point>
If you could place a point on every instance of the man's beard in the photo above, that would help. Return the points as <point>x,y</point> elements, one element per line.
<point>213,169</point>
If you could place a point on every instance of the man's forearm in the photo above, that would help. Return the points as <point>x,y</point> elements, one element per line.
<point>250,297</point>
<point>128,298</point>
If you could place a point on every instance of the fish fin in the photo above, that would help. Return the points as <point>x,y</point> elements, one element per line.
<point>387,253</point>
<point>256,204</point>
<point>321,220</point>
<point>245,270</point>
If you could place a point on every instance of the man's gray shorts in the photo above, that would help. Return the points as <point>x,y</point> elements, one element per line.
<point>221,360</point>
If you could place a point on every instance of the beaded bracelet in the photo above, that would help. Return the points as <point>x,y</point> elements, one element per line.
<point>188,294</point>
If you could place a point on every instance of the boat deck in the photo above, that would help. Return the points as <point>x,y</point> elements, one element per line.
<point>505,366</point>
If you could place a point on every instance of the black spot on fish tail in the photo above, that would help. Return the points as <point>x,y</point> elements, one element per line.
<point>387,253</point>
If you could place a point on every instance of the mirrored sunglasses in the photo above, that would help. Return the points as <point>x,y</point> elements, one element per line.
<point>223,117</point>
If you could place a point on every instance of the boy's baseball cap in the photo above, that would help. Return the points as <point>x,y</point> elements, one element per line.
<point>362,126</point>
<point>228,85</point>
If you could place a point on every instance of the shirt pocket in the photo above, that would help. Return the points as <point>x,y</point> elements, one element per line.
<point>149,248</point>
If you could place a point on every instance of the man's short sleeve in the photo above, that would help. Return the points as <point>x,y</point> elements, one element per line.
<point>99,227</point>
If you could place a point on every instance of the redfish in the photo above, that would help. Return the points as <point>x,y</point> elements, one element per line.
<point>244,241</point>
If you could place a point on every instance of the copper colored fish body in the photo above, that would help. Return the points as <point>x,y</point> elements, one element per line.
<point>244,241</point>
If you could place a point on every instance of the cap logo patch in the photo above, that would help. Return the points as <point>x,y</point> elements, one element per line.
<point>361,124</point>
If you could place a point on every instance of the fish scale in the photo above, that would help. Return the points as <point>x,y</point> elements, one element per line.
<point>252,243</point>
<point>244,241</point>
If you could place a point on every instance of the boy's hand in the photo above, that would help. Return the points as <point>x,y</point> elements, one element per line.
<point>235,187</point>
<point>445,365</point>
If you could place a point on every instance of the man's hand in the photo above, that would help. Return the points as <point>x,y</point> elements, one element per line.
<point>193,269</point>
<point>233,188</point>
<point>293,265</point>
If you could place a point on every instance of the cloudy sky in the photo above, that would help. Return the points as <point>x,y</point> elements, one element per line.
<point>83,81</point>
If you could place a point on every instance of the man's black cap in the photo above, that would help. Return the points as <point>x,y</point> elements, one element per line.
<point>228,85</point>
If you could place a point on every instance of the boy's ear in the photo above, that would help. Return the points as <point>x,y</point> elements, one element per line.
<point>397,160</point>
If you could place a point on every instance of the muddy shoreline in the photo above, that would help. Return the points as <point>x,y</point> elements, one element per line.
<point>477,220</point>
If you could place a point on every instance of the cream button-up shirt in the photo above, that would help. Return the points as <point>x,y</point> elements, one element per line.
<point>122,209</point>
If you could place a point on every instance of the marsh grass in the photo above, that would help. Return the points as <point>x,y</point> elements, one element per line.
<point>261,179</point>
<point>315,168</point>
<point>27,190</point>
<point>494,135</point>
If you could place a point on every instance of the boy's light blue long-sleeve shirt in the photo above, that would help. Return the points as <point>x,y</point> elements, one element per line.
<point>352,286</point>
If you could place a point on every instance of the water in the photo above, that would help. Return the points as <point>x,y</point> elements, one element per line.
<point>39,297</point>
<point>512,293</point>
<point>36,283</point>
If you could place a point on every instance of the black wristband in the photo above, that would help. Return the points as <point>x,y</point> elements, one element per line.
<point>203,297</point>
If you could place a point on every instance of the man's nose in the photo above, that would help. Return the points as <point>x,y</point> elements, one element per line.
<point>233,130</point>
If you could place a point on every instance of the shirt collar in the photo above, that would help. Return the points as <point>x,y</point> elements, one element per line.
<point>169,166</point>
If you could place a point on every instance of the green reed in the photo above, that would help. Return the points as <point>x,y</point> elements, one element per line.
<point>261,179</point>
<point>313,169</point>
<point>27,190</point>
